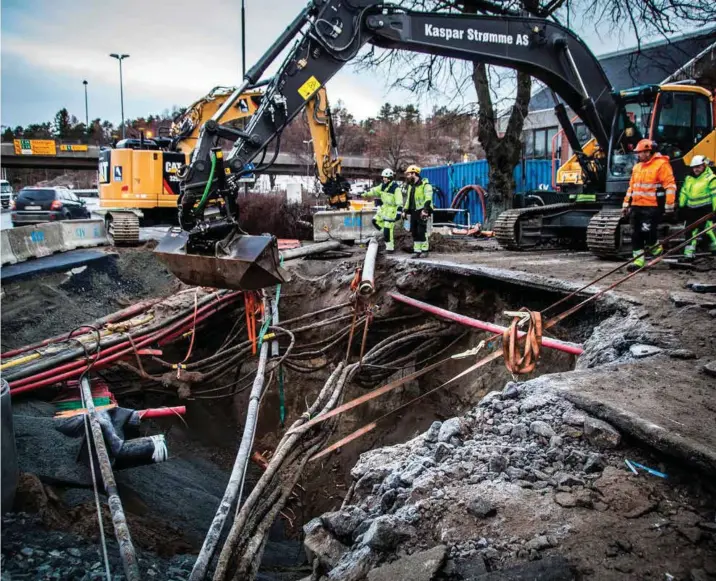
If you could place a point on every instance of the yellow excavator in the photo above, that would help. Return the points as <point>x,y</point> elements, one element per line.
<point>139,178</point>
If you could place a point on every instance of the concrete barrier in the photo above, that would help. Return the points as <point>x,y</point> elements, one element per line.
<point>83,233</point>
<point>36,241</point>
<point>8,256</point>
<point>344,225</point>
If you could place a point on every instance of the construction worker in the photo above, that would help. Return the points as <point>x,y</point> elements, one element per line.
<point>697,198</point>
<point>418,196</point>
<point>651,176</point>
<point>390,208</point>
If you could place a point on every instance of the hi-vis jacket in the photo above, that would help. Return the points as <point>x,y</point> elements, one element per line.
<point>646,178</point>
<point>699,192</point>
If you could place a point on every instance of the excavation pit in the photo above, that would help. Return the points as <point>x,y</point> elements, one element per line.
<point>172,504</point>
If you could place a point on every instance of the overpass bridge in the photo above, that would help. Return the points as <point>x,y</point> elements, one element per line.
<point>354,167</point>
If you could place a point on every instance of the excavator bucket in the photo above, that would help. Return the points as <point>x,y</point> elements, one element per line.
<point>239,262</point>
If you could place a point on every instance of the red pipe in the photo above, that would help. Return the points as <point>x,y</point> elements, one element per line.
<point>162,412</point>
<point>491,327</point>
<point>30,383</point>
<point>114,348</point>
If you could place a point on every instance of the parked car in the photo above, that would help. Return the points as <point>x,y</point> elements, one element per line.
<point>36,205</point>
<point>5,194</point>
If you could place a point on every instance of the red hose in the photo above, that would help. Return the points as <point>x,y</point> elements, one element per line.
<point>75,368</point>
<point>462,193</point>
<point>162,412</point>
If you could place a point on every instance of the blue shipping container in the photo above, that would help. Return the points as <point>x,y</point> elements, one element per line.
<point>451,178</point>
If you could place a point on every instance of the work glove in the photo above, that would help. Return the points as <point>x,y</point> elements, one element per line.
<point>669,209</point>
<point>424,215</point>
<point>625,211</point>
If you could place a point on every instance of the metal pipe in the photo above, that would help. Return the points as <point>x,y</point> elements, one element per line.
<point>311,249</point>
<point>119,521</point>
<point>367,283</point>
<point>236,480</point>
<point>564,346</point>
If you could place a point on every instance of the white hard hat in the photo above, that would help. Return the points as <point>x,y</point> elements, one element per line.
<point>698,160</point>
<point>387,173</point>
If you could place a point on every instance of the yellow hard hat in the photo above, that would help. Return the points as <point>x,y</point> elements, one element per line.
<point>413,169</point>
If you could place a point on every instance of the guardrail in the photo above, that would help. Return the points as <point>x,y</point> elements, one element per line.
<point>25,242</point>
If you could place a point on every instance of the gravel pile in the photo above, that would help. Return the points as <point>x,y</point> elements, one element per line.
<point>30,551</point>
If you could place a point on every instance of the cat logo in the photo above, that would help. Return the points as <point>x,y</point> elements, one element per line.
<point>243,106</point>
<point>171,168</point>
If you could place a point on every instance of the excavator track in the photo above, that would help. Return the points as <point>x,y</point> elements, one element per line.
<point>124,228</point>
<point>521,228</point>
<point>605,236</point>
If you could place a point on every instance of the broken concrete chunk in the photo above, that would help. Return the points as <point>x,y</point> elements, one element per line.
<point>511,391</point>
<point>497,463</point>
<point>573,418</point>
<point>342,523</point>
<point>481,507</point>
<point>640,351</point>
<point>682,299</point>
<point>386,533</point>
<point>710,368</point>
<point>536,401</point>
<point>549,569</point>
<point>319,543</point>
<point>450,428</point>
<point>442,451</point>
<point>594,463</point>
<point>489,398</point>
<point>516,473</point>
<point>539,543</point>
<point>432,434</point>
<point>565,499</point>
<point>600,433</point>
<point>542,429</point>
<point>564,479</point>
<point>421,566</point>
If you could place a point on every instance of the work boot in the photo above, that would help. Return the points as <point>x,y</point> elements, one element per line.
<point>656,250</point>
<point>712,248</point>
<point>638,263</point>
<point>416,254</point>
<point>389,251</point>
<point>424,254</point>
<point>689,252</point>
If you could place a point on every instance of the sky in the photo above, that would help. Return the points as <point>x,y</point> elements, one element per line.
<point>179,50</point>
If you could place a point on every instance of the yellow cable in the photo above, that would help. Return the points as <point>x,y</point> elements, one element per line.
<point>20,360</point>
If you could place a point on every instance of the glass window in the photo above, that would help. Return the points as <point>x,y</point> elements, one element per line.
<point>528,139</point>
<point>36,195</point>
<point>540,143</point>
<point>703,124</point>
<point>551,132</point>
<point>583,134</point>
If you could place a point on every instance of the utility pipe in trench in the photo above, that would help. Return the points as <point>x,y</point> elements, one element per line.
<point>564,346</point>
<point>311,249</point>
<point>238,473</point>
<point>367,283</point>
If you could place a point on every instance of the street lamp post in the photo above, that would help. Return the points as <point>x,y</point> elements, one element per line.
<point>86,108</point>
<point>120,57</point>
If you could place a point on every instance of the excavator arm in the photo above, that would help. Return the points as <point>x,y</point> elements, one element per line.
<point>331,33</point>
<point>325,150</point>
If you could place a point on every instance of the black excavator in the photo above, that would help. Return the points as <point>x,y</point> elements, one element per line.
<point>209,249</point>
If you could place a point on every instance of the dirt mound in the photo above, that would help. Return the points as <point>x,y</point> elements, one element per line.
<point>438,243</point>
<point>55,303</point>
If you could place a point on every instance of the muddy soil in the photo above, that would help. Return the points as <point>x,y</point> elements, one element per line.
<point>49,305</point>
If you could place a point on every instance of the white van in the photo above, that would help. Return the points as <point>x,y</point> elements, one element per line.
<point>5,194</point>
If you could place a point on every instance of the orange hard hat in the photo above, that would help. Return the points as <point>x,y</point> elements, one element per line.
<point>644,145</point>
